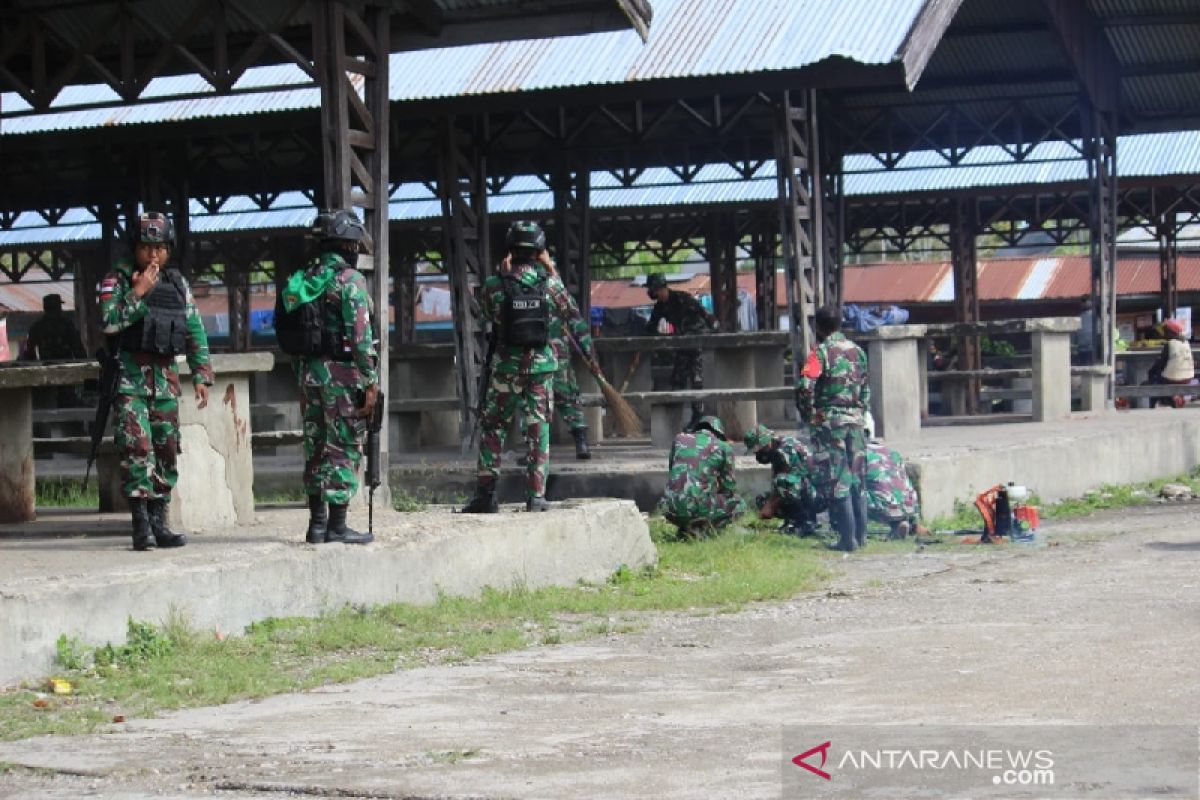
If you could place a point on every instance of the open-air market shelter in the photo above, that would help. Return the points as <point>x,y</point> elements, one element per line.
<point>790,92</point>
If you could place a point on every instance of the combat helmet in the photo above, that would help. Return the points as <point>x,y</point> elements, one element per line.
<point>714,424</point>
<point>155,227</point>
<point>655,281</point>
<point>339,225</point>
<point>526,235</point>
<point>758,436</point>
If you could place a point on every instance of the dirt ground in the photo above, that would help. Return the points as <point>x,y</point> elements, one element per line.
<point>1104,627</point>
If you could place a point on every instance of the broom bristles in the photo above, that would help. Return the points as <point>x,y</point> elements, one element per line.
<point>625,419</point>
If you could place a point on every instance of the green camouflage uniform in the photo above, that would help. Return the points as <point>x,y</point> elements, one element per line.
<point>566,387</point>
<point>146,403</point>
<point>332,388</point>
<point>701,488</point>
<point>832,396</point>
<point>791,472</point>
<point>687,316</point>
<point>890,494</point>
<point>522,378</point>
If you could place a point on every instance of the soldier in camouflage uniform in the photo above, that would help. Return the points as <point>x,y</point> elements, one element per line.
<point>520,302</point>
<point>791,496</point>
<point>832,395</point>
<point>891,498</point>
<point>686,316</point>
<point>54,336</point>
<point>565,387</point>
<point>339,386</point>
<point>147,310</point>
<point>701,493</point>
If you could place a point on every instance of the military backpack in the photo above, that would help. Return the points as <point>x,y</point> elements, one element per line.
<point>526,316</point>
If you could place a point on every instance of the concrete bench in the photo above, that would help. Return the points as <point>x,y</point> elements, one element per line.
<point>669,410</point>
<point>1157,390</point>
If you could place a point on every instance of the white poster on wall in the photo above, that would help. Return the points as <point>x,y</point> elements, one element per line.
<point>1184,315</point>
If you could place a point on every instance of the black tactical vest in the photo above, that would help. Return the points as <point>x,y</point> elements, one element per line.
<point>526,317</point>
<point>163,331</point>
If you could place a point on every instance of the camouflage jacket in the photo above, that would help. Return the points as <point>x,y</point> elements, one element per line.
<point>347,307</point>
<point>701,467</point>
<point>889,491</point>
<point>684,312</point>
<point>833,389</point>
<point>563,312</point>
<point>793,481</point>
<point>560,333</point>
<point>120,308</point>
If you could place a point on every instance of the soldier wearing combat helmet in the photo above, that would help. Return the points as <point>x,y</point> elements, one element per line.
<point>323,318</point>
<point>701,494</point>
<point>147,311</point>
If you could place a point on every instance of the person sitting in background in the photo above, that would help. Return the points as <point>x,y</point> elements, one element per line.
<point>701,493</point>
<point>1174,364</point>
<point>54,336</point>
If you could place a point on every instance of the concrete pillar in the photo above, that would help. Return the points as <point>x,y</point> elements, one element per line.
<point>16,455</point>
<point>732,369</point>
<point>1093,392</point>
<point>923,375</point>
<point>1051,375</point>
<point>896,388</point>
<point>666,420</point>
<point>768,373</point>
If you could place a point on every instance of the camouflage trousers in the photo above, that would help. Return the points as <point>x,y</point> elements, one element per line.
<point>566,396</point>
<point>687,372</point>
<point>332,442</point>
<point>532,395</point>
<point>687,511</point>
<point>147,435</point>
<point>840,456</point>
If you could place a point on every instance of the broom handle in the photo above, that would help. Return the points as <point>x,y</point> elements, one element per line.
<point>593,367</point>
<point>633,365</point>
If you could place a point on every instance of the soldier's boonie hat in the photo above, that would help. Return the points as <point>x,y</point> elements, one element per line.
<point>655,280</point>
<point>154,227</point>
<point>524,233</point>
<point>713,424</point>
<point>759,436</point>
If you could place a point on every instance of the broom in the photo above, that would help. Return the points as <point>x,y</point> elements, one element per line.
<point>626,420</point>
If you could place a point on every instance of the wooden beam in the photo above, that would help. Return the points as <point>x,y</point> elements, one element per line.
<point>1084,40</point>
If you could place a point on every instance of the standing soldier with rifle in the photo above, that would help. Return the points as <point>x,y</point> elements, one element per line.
<point>150,317</point>
<point>323,317</point>
<point>519,303</point>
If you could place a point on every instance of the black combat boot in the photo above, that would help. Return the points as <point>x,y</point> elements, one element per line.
<point>537,504</point>
<point>484,501</point>
<point>581,444</point>
<point>143,537</point>
<point>841,516</point>
<point>338,532</point>
<point>859,502</point>
<point>318,519</point>
<point>163,535</point>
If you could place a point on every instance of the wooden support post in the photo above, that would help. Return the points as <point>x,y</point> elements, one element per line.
<point>963,257</point>
<point>1166,232</point>
<point>722,269</point>
<point>1100,146</point>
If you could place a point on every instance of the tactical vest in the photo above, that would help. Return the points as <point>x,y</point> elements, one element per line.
<point>526,317</point>
<point>163,331</point>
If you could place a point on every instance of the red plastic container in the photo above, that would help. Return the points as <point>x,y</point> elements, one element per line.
<point>1028,515</point>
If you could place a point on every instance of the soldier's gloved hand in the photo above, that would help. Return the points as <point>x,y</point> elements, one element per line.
<point>201,395</point>
<point>369,400</point>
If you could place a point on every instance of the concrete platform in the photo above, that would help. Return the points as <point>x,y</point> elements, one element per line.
<point>76,574</point>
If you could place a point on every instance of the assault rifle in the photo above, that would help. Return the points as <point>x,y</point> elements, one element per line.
<point>373,474</point>
<point>110,373</point>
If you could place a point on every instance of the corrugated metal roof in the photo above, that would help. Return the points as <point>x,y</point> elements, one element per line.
<point>689,38</point>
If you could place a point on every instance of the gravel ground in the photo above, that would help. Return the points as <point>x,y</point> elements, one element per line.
<point>1103,626</point>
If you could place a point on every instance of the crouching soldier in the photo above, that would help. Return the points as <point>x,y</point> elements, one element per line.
<point>701,493</point>
<point>791,497</point>
<point>147,310</point>
<point>323,317</point>
<point>891,498</point>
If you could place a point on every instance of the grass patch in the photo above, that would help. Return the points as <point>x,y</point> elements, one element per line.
<point>51,492</point>
<point>175,666</point>
<point>280,497</point>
